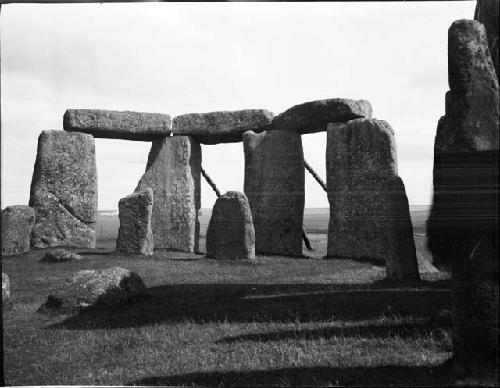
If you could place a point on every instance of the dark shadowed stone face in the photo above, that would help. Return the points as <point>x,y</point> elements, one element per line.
<point>64,190</point>
<point>274,185</point>
<point>487,12</point>
<point>17,223</point>
<point>222,127</point>
<point>173,173</point>
<point>230,233</point>
<point>135,235</point>
<point>313,116</point>
<point>118,125</point>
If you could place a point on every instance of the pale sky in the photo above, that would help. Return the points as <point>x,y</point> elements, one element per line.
<point>180,58</point>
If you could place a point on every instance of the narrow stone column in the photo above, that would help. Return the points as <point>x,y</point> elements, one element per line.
<point>64,190</point>
<point>274,185</point>
<point>369,212</point>
<point>173,173</point>
<point>17,223</point>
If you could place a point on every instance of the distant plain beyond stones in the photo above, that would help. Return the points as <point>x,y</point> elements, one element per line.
<point>135,235</point>
<point>17,223</point>
<point>230,233</point>
<point>274,185</point>
<point>118,125</point>
<point>313,116</point>
<point>64,190</point>
<point>221,127</point>
<point>173,173</point>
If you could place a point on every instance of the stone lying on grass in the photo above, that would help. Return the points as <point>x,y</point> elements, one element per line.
<point>135,235</point>
<point>103,287</point>
<point>230,233</point>
<point>313,116</point>
<point>5,288</point>
<point>59,256</point>
<point>118,125</point>
<point>221,127</point>
<point>17,223</point>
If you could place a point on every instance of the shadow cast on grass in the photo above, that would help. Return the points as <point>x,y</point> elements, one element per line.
<point>262,303</point>
<point>440,375</point>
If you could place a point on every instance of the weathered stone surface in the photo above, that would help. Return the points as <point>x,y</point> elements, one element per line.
<point>17,223</point>
<point>369,212</point>
<point>173,173</point>
<point>5,288</point>
<point>487,12</point>
<point>472,104</point>
<point>222,127</point>
<point>64,190</point>
<point>135,234</point>
<point>313,116</point>
<point>60,256</point>
<point>424,265</point>
<point>230,233</point>
<point>118,125</point>
<point>274,185</point>
<point>104,287</point>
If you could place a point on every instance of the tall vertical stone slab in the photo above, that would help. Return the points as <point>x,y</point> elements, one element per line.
<point>17,223</point>
<point>487,12</point>
<point>64,190</point>
<point>173,173</point>
<point>369,212</point>
<point>274,185</point>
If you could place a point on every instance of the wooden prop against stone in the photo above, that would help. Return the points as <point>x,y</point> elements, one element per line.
<point>210,182</point>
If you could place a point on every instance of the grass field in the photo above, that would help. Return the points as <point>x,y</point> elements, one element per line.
<point>275,321</point>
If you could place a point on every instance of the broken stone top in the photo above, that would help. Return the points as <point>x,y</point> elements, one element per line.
<point>313,116</point>
<point>223,126</point>
<point>118,125</point>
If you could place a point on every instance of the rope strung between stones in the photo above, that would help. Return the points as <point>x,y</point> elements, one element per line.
<point>210,182</point>
<point>315,175</point>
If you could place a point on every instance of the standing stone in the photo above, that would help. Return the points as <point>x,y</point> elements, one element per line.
<point>118,125</point>
<point>222,127</point>
<point>5,288</point>
<point>135,234</point>
<point>369,212</point>
<point>230,233</point>
<point>274,185</point>
<point>487,12</point>
<point>17,223</point>
<point>173,173</point>
<point>64,190</point>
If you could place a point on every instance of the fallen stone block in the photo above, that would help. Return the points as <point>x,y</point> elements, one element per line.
<point>17,223</point>
<point>230,233</point>
<point>64,190</point>
<point>60,256</point>
<point>313,116</point>
<point>118,125</point>
<point>274,186</point>
<point>135,235</point>
<point>104,287</point>
<point>222,127</point>
<point>369,211</point>
<point>173,173</point>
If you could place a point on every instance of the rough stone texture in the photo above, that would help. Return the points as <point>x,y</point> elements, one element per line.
<point>5,288</point>
<point>173,173</point>
<point>64,190</point>
<point>60,256</point>
<point>230,233</point>
<point>487,12</point>
<point>104,287</point>
<point>274,185</point>
<point>369,212</point>
<point>118,125</point>
<point>472,104</point>
<point>17,223</point>
<point>424,265</point>
<point>313,116</point>
<point>222,127</point>
<point>135,234</point>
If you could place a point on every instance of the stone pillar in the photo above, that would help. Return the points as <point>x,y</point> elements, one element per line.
<point>274,185</point>
<point>173,173</point>
<point>17,223</point>
<point>64,191</point>
<point>369,212</point>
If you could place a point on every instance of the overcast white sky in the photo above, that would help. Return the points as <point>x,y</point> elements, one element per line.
<point>179,58</point>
